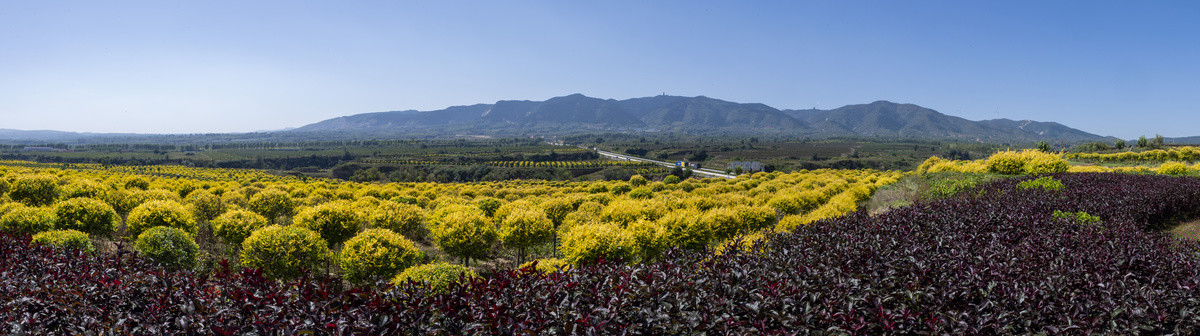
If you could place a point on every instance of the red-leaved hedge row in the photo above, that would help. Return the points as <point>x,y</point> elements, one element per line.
<point>995,261</point>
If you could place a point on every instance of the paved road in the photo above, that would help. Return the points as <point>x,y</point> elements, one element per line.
<point>702,171</point>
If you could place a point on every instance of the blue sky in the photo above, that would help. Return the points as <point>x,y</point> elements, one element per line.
<point>1115,68</point>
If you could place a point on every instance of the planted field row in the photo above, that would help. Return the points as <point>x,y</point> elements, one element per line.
<point>180,172</point>
<point>549,164</point>
<point>1184,154</point>
<point>1035,162</point>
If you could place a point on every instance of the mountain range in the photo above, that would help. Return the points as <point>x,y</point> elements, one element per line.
<point>698,115</point>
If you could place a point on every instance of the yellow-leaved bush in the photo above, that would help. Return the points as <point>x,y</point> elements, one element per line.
<point>376,254</point>
<point>235,226</point>
<point>87,215</point>
<point>272,203</point>
<point>206,205</point>
<point>284,252</point>
<point>171,247</point>
<point>589,242</point>
<point>649,239</point>
<point>548,265</point>
<point>34,190</point>
<point>685,229</point>
<point>159,213</point>
<point>405,219</point>
<point>1026,162</point>
<point>27,219</point>
<point>466,235</point>
<point>335,221</point>
<point>438,276</point>
<point>64,239</point>
<point>1173,168</point>
<point>525,228</point>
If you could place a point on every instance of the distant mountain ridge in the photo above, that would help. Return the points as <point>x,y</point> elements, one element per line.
<point>703,115</point>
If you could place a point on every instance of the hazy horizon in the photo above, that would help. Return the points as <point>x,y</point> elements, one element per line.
<point>1119,69</point>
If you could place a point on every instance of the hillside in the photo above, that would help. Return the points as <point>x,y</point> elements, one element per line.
<point>702,115</point>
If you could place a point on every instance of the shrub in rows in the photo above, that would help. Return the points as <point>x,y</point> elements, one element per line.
<point>284,252</point>
<point>27,220</point>
<point>335,221</point>
<point>88,215</point>
<point>159,213</point>
<point>465,235</point>
<point>588,243</point>
<point>272,203</point>
<point>1026,162</point>
<point>235,226</point>
<point>34,190</point>
<point>376,254</point>
<point>64,239</point>
<point>440,277</point>
<point>1173,168</point>
<point>405,219</point>
<point>169,246</point>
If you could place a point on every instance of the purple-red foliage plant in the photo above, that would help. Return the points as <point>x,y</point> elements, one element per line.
<point>994,261</point>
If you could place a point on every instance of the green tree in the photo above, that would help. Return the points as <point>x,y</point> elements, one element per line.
<point>1043,146</point>
<point>1142,142</point>
<point>1157,142</point>
<point>1120,144</point>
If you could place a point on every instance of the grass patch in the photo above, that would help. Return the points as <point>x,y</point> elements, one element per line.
<point>925,187</point>
<point>1186,231</point>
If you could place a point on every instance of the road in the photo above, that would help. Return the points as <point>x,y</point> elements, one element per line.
<point>706,172</point>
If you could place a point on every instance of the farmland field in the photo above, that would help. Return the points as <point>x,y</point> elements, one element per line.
<point>1010,244</point>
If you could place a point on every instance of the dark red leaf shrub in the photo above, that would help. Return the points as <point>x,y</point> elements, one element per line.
<point>998,262</point>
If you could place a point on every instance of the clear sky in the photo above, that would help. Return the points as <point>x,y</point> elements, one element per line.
<point>1122,68</point>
